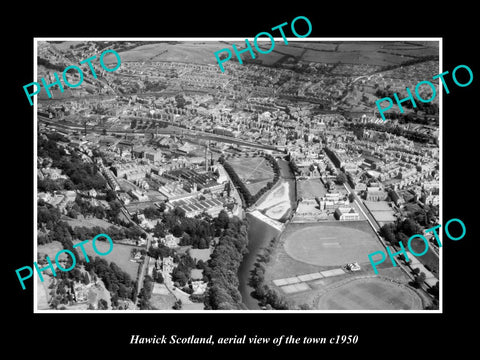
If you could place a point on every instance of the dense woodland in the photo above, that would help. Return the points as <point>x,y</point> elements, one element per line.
<point>117,282</point>
<point>222,268</point>
<point>267,297</point>
<point>49,220</point>
<point>196,231</point>
<point>82,175</point>
<point>220,271</point>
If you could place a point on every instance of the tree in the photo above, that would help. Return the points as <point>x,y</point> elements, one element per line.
<point>179,212</point>
<point>177,230</point>
<point>341,178</point>
<point>159,230</point>
<point>387,232</point>
<point>222,220</point>
<point>177,305</point>
<point>162,207</point>
<point>157,276</point>
<point>179,277</point>
<point>102,304</point>
<point>419,280</point>
<point>410,227</point>
<point>401,237</point>
<point>151,212</point>
<point>351,197</point>
<point>110,195</point>
<point>104,132</point>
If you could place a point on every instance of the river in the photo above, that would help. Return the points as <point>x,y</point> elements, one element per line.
<point>259,235</point>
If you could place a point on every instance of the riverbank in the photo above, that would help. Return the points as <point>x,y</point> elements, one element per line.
<point>261,230</point>
<point>259,235</point>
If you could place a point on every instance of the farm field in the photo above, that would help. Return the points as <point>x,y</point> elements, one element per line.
<point>187,52</point>
<point>345,52</point>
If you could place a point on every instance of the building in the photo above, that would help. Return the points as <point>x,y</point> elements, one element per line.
<point>153,155</point>
<point>170,241</point>
<point>374,193</point>
<point>331,201</point>
<point>396,197</point>
<point>346,214</point>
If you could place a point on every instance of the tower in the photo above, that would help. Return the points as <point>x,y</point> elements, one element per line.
<point>206,155</point>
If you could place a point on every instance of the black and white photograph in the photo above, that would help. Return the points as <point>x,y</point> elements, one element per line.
<point>215,181</point>
<point>265,184</point>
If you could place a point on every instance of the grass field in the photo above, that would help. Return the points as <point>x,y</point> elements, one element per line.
<point>283,265</point>
<point>370,294</point>
<point>51,249</point>
<point>89,223</point>
<point>120,255</point>
<point>326,245</point>
<point>255,172</point>
<point>309,248</point>
<point>309,189</point>
<point>161,298</point>
<point>256,186</point>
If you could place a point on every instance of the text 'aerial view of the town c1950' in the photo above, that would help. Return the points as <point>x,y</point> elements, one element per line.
<point>263,187</point>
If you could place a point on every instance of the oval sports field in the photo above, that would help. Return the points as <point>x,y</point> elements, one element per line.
<point>335,245</point>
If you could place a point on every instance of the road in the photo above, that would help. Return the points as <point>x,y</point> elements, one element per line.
<point>373,222</point>
<point>375,226</point>
<point>124,211</point>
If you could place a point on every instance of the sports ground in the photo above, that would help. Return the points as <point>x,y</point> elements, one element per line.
<point>330,245</point>
<point>306,268</point>
<point>255,172</point>
<point>370,294</point>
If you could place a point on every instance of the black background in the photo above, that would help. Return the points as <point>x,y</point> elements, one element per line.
<point>379,334</point>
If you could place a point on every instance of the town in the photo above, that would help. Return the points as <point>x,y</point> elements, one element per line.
<point>264,186</point>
